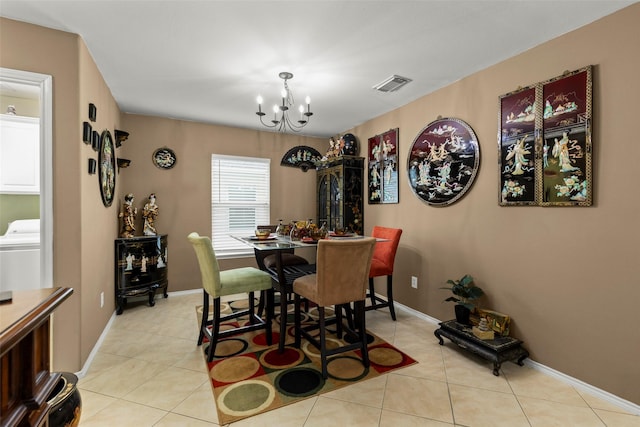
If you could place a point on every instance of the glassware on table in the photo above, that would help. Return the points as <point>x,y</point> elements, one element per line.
<point>263,233</point>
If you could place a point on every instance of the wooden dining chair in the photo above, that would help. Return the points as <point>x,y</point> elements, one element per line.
<point>342,269</point>
<point>216,284</point>
<point>384,256</point>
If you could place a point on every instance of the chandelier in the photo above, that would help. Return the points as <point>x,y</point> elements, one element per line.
<point>281,118</point>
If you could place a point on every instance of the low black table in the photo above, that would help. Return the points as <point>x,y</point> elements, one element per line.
<point>498,350</point>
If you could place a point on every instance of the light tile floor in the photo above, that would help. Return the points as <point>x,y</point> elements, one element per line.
<point>149,372</point>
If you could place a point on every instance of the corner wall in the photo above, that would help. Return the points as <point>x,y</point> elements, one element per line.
<point>567,276</point>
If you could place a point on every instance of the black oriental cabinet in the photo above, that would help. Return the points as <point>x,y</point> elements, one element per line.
<point>140,268</point>
<point>340,193</point>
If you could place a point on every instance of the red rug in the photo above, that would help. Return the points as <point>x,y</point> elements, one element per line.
<point>249,377</point>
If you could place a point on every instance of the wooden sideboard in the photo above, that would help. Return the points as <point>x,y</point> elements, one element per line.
<point>26,377</point>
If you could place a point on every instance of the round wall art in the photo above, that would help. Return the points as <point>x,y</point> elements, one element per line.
<point>107,168</point>
<point>164,158</point>
<point>443,161</point>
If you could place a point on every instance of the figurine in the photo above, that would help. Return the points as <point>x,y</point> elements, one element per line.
<point>150,213</point>
<point>128,217</point>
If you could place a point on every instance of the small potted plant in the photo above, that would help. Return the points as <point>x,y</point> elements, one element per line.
<point>465,292</point>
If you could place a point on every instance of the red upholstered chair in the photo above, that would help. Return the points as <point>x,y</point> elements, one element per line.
<point>384,255</point>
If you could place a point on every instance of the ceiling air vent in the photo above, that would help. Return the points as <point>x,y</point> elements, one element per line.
<point>392,84</point>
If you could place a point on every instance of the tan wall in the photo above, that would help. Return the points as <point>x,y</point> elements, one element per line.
<point>36,49</point>
<point>98,224</point>
<point>564,274</point>
<point>184,192</point>
<point>567,276</point>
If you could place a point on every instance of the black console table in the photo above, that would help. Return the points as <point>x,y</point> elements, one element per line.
<point>498,350</point>
<point>140,268</point>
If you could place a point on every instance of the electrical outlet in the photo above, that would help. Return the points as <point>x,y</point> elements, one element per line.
<point>101,299</point>
<point>414,282</point>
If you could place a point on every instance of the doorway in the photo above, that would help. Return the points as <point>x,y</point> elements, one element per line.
<point>17,83</point>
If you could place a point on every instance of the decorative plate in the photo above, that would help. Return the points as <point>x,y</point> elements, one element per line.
<point>443,161</point>
<point>164,158</point>
<point>107,168</point>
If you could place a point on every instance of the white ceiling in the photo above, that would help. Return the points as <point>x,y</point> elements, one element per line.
<point>208,60</point>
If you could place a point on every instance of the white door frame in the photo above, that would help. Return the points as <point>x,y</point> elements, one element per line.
<point>45,83</point>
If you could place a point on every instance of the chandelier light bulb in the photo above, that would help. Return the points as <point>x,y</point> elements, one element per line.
<point>259,113</point>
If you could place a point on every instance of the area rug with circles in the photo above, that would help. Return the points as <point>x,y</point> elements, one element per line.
<point>249,377</point>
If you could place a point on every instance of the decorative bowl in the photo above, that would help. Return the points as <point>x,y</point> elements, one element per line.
<point>340,231</point>
<point>263,233</point>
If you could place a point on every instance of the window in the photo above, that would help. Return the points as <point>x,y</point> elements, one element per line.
<point>239,201</point>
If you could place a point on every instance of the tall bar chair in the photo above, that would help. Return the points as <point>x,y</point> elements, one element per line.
<point>342,269</point>
<point>384,256</point>
<point>267,260</point>
<point>216,284</point>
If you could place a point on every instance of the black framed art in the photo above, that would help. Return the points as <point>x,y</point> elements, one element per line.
<point>164,158</point>
<point>93,111</point>
<point>517,147</point>
<point>107,168</point>
<point>86,132</point>
<point>566,178</point>
<point>544,142</point>
<point>95,140</point>
<point>443,161</point>
<point>383,167</point>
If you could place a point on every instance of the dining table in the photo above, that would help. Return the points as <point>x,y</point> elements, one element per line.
<point>283,275</point>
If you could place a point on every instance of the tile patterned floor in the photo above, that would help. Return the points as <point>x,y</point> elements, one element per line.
<point>149,372</point>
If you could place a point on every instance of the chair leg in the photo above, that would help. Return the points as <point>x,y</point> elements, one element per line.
<point>362,331</point>
<point>372,292</point>
<point>323,342</point>
<point>392,310</point>
<point>261,303</point>
<point>269,314</point>
<point>215,329</point>
<point>205,316</point>
<point>297,320</point>
<point>283,321</point>
<point>252,309</point>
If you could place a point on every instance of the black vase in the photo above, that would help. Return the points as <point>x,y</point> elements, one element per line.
<point>65,402</point>
<point>462,314</point>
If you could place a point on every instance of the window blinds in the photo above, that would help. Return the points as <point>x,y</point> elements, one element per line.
<point>239,201</point>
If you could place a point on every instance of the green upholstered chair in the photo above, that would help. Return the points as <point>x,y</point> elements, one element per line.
<point>342,270</point>
<point>384,256</point>
<point>216,284</point>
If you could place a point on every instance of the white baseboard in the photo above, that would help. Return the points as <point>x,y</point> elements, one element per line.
<point>625,405</point>
<point>96,347</point>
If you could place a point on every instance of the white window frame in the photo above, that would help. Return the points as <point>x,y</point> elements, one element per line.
<point>240,184</point>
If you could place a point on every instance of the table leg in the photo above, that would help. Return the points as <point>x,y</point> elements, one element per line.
<point>282,284</point>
